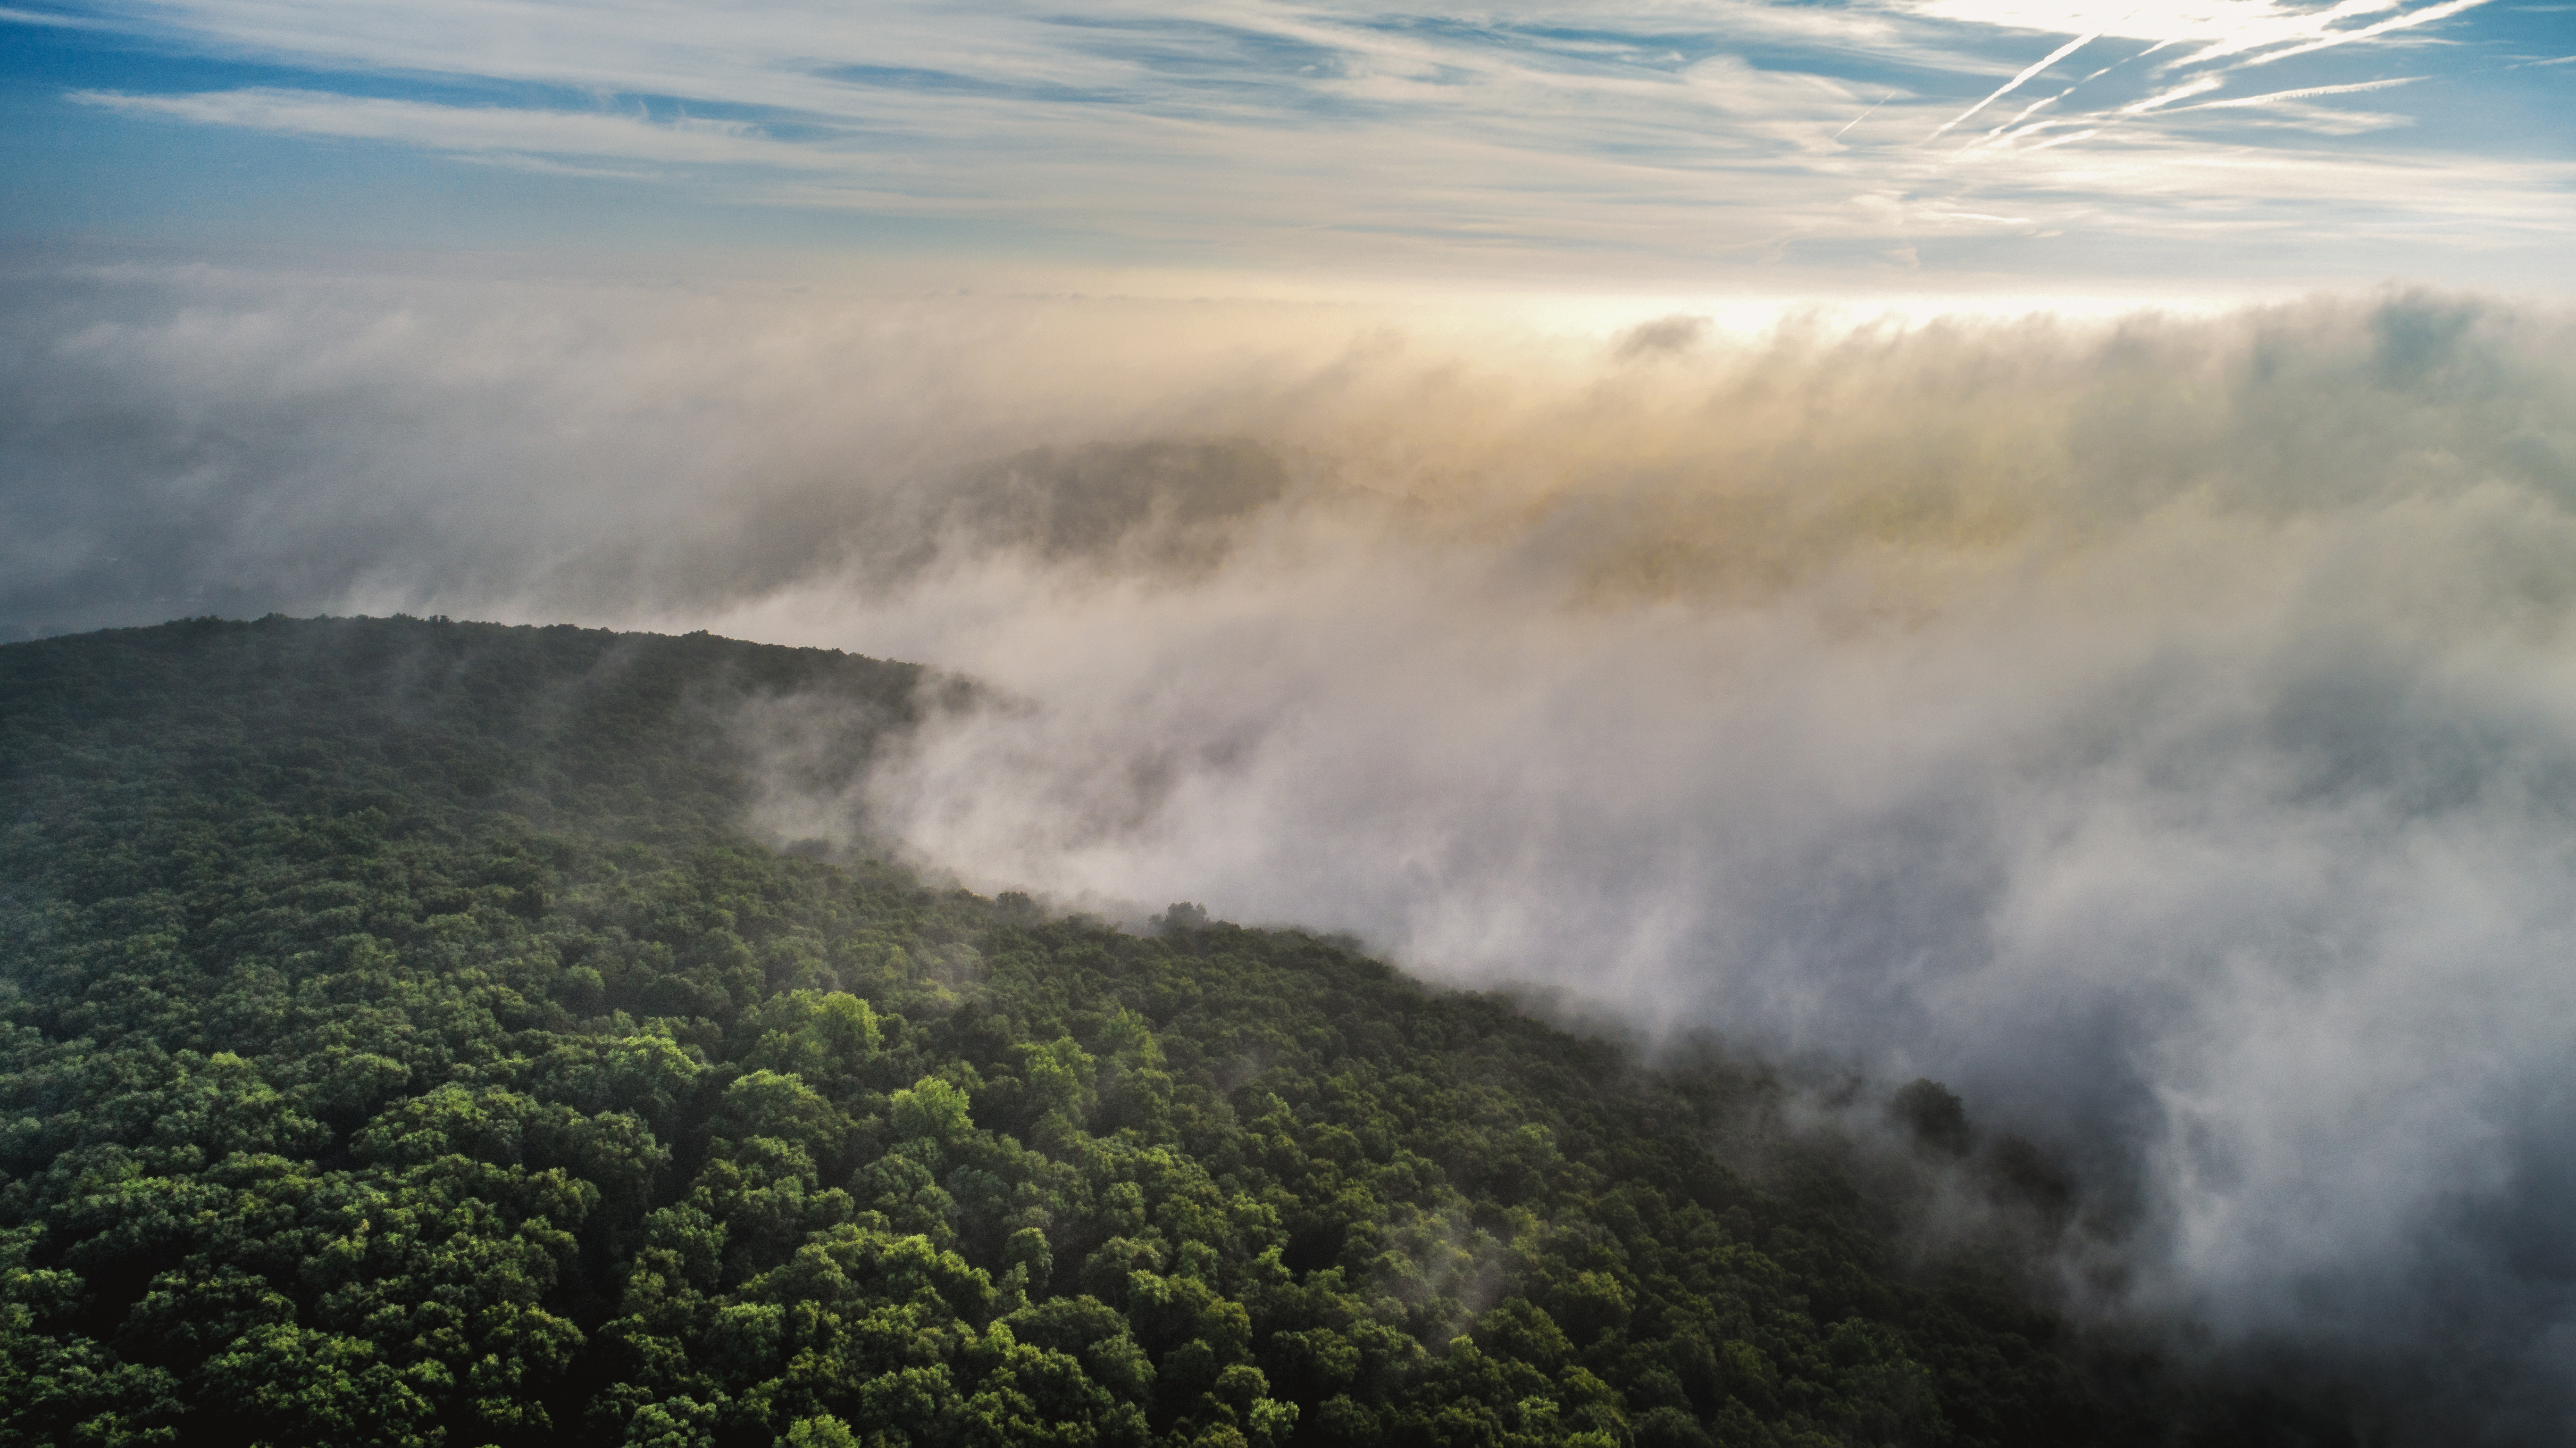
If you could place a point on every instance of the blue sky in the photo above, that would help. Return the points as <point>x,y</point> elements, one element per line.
<point>2233,144</point>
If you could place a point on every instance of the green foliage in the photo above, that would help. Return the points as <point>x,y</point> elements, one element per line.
<point>399,1043</point>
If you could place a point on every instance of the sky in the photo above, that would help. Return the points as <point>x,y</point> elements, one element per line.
<point>2092,147</point>
<point>2029,544</point>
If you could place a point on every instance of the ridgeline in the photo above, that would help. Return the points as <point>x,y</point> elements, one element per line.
<point>403,1042</point>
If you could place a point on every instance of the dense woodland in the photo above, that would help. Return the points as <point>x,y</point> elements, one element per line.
<point>401,1041</point>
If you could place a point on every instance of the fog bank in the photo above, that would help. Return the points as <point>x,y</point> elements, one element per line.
<point>2162,730</point>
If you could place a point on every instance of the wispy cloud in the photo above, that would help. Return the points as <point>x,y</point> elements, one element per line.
<point>1727,131</point>
<point>474,130</point>
<point>11,15</point>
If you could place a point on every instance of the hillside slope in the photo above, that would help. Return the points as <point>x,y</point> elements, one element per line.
<point>400,1042</point>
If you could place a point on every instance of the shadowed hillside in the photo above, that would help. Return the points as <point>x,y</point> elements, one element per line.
<point>403,1044</point>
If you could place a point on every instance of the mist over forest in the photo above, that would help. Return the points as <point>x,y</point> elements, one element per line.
<point>2159,729</point>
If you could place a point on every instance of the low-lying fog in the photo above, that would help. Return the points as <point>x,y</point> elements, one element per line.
<point>2162,730</point>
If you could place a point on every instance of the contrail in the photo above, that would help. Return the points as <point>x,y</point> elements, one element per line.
<point>1865,115</point>
<point>2297,95</point>
<point>2008,87</point>
<point>2401,22</point>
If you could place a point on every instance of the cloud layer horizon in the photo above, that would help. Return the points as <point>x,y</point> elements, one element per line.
<point>2162,730</point>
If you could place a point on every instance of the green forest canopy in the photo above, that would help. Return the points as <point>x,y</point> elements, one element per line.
<point>402,1042</point>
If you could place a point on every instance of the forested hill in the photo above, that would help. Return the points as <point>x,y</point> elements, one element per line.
<point>405,1044</point>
